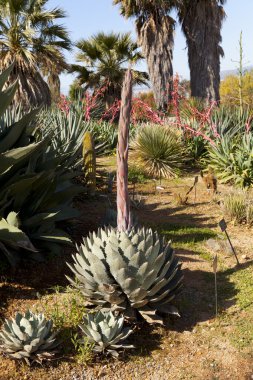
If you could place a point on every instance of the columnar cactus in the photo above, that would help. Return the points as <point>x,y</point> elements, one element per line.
<point>89,161</point>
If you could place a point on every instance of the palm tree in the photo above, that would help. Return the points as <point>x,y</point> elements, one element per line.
<point>155,31</point>
<point>201,23</point>
<point>105,58</point>
<point>30,37</point>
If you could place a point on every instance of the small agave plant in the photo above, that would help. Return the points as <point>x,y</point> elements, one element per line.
<point>28,337</point>
<point>127,269</point>
<point>105,331</point>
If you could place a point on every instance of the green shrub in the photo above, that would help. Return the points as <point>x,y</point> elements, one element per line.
<point>238,206</point>
<point>235,206</point>
<point>232,159</point>
<point>158,151</point>
<point>136,174</point>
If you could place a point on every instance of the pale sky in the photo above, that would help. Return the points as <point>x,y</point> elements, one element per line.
<point>87,17</point>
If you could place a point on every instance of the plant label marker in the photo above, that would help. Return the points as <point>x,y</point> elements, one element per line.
<point>223,227</point>
<point>196,179</point>
<point>215,265</point>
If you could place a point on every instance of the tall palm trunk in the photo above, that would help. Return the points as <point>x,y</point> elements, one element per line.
<point>156,37</point>
<point>201,24</point>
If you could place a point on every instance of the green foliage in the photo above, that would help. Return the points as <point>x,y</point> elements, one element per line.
<point>159,151</point>
<point>229,90</point>
<point>28,337</point>
<point>232,159</point>
<point>105,332</point>
<point>133,272</point>
<point>136,175</point>
<point>238,207</point>
<point>66,130</point>
<point>104,57</point>
<point>31,37</point>
<point>35,184</point>
<point>105,133</point>
<point>83,348</point>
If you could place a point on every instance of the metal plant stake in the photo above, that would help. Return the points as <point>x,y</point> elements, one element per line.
<point>195,188</point>
<point>223,227</point>
<point>123,201</point>
<point>215,264</point>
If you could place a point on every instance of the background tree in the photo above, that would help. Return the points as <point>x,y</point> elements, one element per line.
<point>201,23</point>
<point>105,58</point>
<point>233,94</point>
<point>155,31</point>
<point>29,34</point>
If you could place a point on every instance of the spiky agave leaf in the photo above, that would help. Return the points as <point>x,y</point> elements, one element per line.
<point>128,271</point>
<point>28,337</point>
<point>106,332</point>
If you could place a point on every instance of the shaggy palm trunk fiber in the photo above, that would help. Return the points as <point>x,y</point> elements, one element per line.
<point>202,27</point>
<point>156,37</point>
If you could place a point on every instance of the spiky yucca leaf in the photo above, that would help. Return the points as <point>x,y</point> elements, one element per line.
<point>133,272</point>
<point>106,332</point>
<point>158,150</point>
<point>28,337</point>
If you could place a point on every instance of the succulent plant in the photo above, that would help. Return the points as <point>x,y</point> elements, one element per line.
<point>106,332</point>
<point>158,150</point>
<point>133,272</point>
<point>35,180</point>
<point>28,337</point>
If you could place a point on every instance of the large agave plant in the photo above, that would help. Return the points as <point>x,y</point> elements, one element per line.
<point>35,182</point>
<point>105,331</point>
<point>28,337</point>
<point>134,272</point>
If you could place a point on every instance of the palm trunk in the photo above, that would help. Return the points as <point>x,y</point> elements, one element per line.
<point>156,38</point>
<point>201,25</point>
<point>123,203</point>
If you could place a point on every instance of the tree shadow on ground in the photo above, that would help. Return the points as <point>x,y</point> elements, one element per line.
<point>197,300</point>
<point>155,216</point>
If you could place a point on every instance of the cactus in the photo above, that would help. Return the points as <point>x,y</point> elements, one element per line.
<point>89,162</point>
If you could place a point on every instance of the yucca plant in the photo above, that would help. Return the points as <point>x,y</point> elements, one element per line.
<point>28,337</point>
<point>159,151</point>
<point>105,332</point>
<point>127,269</point>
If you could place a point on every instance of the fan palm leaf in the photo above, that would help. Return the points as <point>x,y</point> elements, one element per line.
<point>30,35</point>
